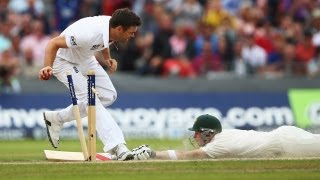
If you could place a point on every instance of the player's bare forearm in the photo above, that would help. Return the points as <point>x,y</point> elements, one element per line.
<point>161,155</point>
<point>50,54</point>
<point>52,48</point>
<point>195,154</point>
<point>111,63</point>
<point>144,152</point>
<point>106,53</point>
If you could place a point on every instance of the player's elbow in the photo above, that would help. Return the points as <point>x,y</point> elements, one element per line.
<point>108,98</point>
<point>57,42</point>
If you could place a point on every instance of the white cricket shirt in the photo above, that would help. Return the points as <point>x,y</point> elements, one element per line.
<point>84,37</point>
<point>234,143</point>
<point>285,141</point>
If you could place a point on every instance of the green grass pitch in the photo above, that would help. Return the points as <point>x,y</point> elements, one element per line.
<point>24,160</point>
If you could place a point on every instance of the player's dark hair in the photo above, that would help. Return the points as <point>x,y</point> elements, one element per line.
<point>124,17</point>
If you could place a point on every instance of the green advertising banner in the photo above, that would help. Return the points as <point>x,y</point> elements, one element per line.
<point>305,104</point>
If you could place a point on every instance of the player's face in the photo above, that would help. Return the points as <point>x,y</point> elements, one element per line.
<point>197,136</point>
<point>125,35</point>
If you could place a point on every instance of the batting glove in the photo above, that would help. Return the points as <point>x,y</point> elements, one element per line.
<point>142,152</point>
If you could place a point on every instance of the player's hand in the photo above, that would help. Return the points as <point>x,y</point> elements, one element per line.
<point>112,65</point>
<point>143,152</point>
<point>45,73</point>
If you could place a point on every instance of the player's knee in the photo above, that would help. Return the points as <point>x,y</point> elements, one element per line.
<point>109,98</point>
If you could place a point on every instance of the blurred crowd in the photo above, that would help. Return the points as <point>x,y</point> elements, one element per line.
<point>178,38</point>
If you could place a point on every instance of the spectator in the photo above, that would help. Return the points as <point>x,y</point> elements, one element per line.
<point>272,11</point>
<point>135,53</point>
<point>144,45</point>
<point>316,27</point>
<point>179,66</point>
<point>170,6</point>
<point>9,69</point>
<point>288,66</point>
<point>161,47</point>
<point>3,9</point>
<point>253,55</point>
<point>275,58</point>
<point>232,6</point>
<point>180,43</point>
<point>239,66</point>
<point>14,21</point>
<point>66,12</point>
<point>314,65</point>
<point>248,18</point>
<point>214,13</point>
<point>313,68</point>
<point>300,10</point>
<point>305,52</point>
<point>33,7</point>
<point>5,42</point>
<point>188,14</point>
<point>33,48</point>
<point>138,6</point>
<point>109,6</point>
<point>149,16</point>
<point>227,39</point>
<point>226,57</point>
<point>286,27</point>
<point>90,8</point>
<point>205,34</point>
<point>262,36</point>
<point>24,26</point>
<point>207,61</point>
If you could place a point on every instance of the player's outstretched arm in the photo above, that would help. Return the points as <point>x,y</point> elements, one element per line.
<point>175,154</point>
<point>144,152</point>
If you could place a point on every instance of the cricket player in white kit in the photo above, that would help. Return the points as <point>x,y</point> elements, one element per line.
<point>73,51</point>
<point>285,141</point>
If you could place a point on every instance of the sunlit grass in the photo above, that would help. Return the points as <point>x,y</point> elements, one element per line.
<point>25,160</point>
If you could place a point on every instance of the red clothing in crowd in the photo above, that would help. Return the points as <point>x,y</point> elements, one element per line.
<point>206,63</point>
<point>305,52</point>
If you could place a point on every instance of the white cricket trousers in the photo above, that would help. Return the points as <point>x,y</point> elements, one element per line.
<point>297,142</point>
<point>107,129</point>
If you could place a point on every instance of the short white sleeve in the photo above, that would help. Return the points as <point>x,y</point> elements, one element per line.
<point>85,37</point>
<point>75,40</point>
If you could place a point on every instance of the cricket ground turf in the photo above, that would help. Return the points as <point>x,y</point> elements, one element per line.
<point>24,159</point>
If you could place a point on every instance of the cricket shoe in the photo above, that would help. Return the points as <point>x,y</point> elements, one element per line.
<point>123,153</point>
<point>53,127</point>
